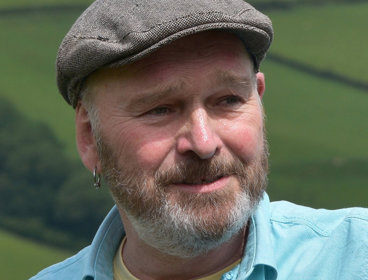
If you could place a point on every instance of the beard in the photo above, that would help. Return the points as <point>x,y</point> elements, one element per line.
<point>180,223</point>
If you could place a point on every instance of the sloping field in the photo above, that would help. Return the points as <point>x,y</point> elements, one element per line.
<point>315,126</point>
<point>29,76</point>
<point>318,132</point>
<point>21,259</point>
<point>312,34</point>
<point>330,37</point>
<point>318,128</point>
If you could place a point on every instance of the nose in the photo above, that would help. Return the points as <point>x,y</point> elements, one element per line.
<point>198,136</point>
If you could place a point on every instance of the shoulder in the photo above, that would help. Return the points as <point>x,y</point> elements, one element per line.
<point>94,259</point>
<point>319,243</point>
<point>322,221</point>
<point>71,268</point>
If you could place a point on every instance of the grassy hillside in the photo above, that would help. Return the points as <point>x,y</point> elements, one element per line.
<point>21,259</point>
<point>29,76</point>
<point>330,37</point>
<point>318,134</point>
<point>317,129</point>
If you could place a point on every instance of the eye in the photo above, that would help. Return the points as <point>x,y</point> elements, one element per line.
<point>159,111</point>
<point>231,100</point>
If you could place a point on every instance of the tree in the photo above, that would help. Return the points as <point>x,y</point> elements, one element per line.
<point>43,193</point>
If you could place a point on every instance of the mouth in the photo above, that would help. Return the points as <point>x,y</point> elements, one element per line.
<point>203,185</point>
<point>202,181</point>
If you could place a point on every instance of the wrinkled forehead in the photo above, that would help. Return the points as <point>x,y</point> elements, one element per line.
<point>205,47</point>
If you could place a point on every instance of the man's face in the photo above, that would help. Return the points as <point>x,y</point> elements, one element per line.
<point>181,144</point>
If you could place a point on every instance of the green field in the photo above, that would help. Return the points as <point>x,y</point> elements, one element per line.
<point>29,79</point>
<point>32,40</point>
<point>317,129</point>
<point>328,37</point>
<point>312,123</point>
<point>318,135</point>
<point>21,258</point>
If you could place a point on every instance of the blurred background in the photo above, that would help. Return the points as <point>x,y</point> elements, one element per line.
<point>316,104</point>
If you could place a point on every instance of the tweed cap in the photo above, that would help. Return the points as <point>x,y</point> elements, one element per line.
<point>111,33</point>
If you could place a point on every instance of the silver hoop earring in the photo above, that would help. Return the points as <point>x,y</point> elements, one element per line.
<point>96,179</point>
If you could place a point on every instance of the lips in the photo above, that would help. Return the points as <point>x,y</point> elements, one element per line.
<point>201,181</point>
<point>203,185</point>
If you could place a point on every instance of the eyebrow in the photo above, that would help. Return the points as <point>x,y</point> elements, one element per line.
<point>157,94</point>
<point>220,77</point>
<point>241,83</point>
<point>230,79</point>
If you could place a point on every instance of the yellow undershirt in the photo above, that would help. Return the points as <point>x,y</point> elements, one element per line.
<point>122,273</point>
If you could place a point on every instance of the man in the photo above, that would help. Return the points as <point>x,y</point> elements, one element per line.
<point>168,108</point>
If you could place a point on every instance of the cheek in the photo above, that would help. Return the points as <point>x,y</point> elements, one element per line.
<point>151,154</point>
<point>248,143</point>
<point>143,149</point>
<point>244,140</point>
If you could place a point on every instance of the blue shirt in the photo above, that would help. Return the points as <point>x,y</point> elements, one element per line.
<point>285,241</point>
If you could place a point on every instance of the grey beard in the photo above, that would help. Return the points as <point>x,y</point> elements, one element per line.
<point>196,223</point>
<point>177,233</point>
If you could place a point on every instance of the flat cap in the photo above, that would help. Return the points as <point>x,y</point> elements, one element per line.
<point>111,33</point>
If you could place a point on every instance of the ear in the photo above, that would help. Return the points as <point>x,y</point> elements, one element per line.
<point>86,142</point>
<point>261,85</point>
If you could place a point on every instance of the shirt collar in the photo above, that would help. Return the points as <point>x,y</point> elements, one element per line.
<point>259,256</point>
<point>103,247</point>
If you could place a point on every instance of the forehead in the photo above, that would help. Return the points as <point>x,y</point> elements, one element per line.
<point>202,50</point>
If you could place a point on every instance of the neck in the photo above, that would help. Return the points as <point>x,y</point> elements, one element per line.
<point>147,263</point>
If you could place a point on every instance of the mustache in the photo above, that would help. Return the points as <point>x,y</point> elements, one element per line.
<point>199,171</point>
